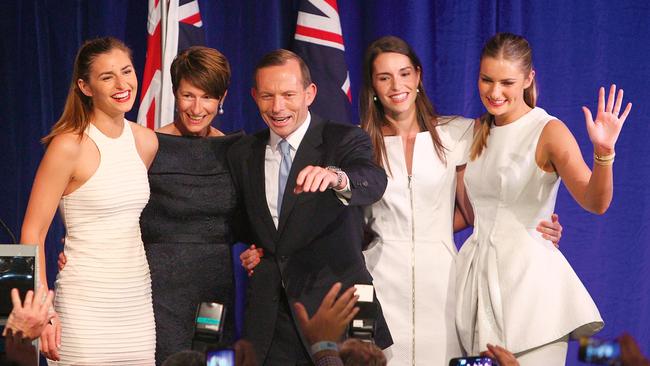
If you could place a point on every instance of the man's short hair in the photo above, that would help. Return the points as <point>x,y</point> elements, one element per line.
<point>280,57</point>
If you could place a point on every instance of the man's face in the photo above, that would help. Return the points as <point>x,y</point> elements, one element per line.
<point>282,99</point>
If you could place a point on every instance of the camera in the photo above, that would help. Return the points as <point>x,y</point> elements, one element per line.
<point>362,327</point>
<point>208,326</point>
<point>596,351</point>
<point>472,361</point>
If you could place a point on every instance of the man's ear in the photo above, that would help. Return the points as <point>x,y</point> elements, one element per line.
<point>311,91</point>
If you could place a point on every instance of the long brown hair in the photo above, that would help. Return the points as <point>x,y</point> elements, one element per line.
<point>78,107</point>
<point>372,112</point>
<point>513,48</point>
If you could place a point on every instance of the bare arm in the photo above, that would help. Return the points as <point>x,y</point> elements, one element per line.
<point>463,212</point>
<point>52,177</point>
<point>559,149</point>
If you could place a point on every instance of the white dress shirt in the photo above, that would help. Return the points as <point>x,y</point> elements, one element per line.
<point>272,160</point>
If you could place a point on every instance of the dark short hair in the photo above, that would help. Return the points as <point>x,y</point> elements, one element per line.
<point>204,68</point>
<point>280,57</point>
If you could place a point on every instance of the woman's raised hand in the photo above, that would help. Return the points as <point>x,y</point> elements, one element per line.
<point>604,130</point>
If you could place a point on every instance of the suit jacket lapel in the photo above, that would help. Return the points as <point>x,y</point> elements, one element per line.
<point>309,153</point>
<point>257,182</point>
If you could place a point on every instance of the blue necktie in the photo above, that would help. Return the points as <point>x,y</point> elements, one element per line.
<point>285,168</point>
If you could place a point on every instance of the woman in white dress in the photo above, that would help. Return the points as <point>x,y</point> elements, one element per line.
<point>515,289</point>
<point>412,254</point>
<point>95,171</point>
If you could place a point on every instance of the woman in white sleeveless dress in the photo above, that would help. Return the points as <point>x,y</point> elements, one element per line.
<point>516,289</point>
<point>412,254</point>
<point>95,171</point>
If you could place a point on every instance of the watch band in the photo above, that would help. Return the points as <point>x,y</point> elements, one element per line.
<point>339,175</point>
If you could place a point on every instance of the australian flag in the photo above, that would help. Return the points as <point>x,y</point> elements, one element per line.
<point>319,41</point>
<point>172,26</point>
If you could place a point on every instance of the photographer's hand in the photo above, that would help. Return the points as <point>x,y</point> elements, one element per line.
<point>630,353</point>
<point>28,318</point>
<point>502,355</point>
<point>331,318</point>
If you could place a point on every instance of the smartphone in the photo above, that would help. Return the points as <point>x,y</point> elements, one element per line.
<point>597,351</point>
<point>220,357</point>
<point>472,361</point>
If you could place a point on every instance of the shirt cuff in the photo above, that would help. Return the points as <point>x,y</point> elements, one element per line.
<point>344,194</point>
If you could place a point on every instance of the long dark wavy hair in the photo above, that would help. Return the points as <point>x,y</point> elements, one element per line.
<point>373,117</point>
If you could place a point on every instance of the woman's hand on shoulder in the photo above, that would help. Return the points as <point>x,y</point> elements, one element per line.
<point>146,142</point>
<point>604,130</point>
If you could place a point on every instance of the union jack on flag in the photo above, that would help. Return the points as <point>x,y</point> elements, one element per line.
<point>319,41</point>
<point>173,25</point>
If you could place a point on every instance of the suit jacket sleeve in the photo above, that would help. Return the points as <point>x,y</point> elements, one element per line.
<point>367,179</point>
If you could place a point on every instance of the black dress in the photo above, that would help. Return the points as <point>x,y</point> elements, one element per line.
<point>186,230</point>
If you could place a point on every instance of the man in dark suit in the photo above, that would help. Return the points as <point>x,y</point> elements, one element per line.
<point>303,184</point>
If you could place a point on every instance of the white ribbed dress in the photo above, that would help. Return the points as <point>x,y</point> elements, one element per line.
<point>103,295</point>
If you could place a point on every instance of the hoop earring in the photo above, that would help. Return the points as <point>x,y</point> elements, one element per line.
<point>220,108</point>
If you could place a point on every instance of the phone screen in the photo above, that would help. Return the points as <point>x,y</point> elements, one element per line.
<point>472,361</point>
<point>597,351</point>
<point>220,357</point>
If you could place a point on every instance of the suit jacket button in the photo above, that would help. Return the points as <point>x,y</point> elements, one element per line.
<point>365,183</point>
<point>275,298</point>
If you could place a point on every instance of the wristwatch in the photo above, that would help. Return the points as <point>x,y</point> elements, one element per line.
<point>339,175</point>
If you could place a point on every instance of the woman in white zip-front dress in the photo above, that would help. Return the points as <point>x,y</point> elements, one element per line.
<point>515,289</point>
<point>411,257</point>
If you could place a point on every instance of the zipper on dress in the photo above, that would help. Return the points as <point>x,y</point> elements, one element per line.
<point>410,179</point>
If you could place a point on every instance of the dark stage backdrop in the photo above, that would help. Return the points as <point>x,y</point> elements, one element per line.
<point>578,46</point>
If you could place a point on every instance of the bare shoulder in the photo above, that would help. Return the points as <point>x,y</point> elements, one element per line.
<point>140,131</point>
<point>555,131</point>
<point>168,129</point>
<point>557,140</point>
<point>146,142</point>
<point>144,137</point>
<point>65,146</point>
